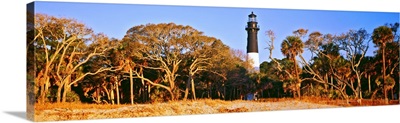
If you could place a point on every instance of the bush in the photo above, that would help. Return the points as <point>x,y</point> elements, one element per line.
<point>158,95</point>
<point>334,94</point>
<point>367,94</point>
<point>51,96</point>
<point>72,97</point>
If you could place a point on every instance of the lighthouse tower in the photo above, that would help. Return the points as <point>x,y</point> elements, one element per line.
<point>252,42</point>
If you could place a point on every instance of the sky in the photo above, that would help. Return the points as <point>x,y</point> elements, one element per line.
<point>225,23</point>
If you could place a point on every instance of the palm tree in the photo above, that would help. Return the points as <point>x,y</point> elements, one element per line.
<point>291,47</point>
<point>380,37</point>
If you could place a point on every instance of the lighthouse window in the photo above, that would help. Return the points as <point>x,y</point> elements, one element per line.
<point>253,19</point>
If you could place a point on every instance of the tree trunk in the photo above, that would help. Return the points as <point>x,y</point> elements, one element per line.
<point>98,95</point>
<point>187,88</point>
<point>369,83</point>
<point>312,89</point>
<point>224,95</point>
<point>326,80</point>
<point>148,92</point>
<point>298,81</point>
<point>384,74</point>
<point>298,90</point>
<point>374,93</point>
<point>59,89</point>
<point>107,92</point>
<point>209,90</point>
<point>112,94</point>
<point>193,89</point>
<point>42,95</point>
<point>331,83</point>
<point>359,90</point>
<point>44,87</point>
<point>117,91</point>
<point>131,84</point>
<point>344,89</point>
<point>352,85</point>
<point>66,90</point>
<point>172,94</point>
<point>142,93</point>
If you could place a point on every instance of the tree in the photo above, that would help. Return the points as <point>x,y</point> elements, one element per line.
<point>42,39</point>
<point>114,57</point>
<point>369,68</point>
<point>197,59</point>
<point>169,49</point>
<point>270,80</point>
<point>224,60</point>
<point>65,46</point>
<point>326,52</point>
<point>381,36</point>
<point>291,47</point>
<point>355,44</point>
<point>329,64</point>
<point>129,56</point>
<point>268,69</point>
<point>393,48</point>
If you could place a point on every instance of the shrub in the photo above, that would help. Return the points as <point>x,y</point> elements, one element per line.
<point>72,97</point>
<point>158,95</point>
<point>334,94</point>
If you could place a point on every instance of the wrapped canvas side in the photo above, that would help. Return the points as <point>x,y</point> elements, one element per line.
<point>30,62</point>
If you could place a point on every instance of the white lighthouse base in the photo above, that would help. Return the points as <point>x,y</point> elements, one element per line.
<point>255,60</point>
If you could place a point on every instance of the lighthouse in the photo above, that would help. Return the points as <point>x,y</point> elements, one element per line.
<point>252,42</point>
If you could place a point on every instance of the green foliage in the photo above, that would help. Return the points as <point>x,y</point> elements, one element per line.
<point>51,95</point>
<point>382,35</point>
<point>367,94</point>
<point>390,82</point>
<point>334,94</point>
<point>292,46</point>
<point>72,97</point>
<point>158,94</point>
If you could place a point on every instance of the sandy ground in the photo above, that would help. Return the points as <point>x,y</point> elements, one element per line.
<point>172,108</point>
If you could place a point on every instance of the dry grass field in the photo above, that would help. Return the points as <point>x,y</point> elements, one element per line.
<point>77,111</point>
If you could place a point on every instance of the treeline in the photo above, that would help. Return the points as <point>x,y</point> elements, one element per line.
<point>339,66</point>
<point>68,62</point>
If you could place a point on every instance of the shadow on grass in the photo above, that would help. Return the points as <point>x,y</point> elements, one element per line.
<point>19,114</point>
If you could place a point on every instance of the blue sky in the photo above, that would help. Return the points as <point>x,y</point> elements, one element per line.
<point>223,23</point>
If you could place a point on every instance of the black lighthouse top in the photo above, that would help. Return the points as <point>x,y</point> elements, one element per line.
<point>252,17</point>
<point>252,28</point>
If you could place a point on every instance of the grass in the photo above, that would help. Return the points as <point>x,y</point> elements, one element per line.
<point>41,107</point>
<point>81,111</point>
<point>337,102</point>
